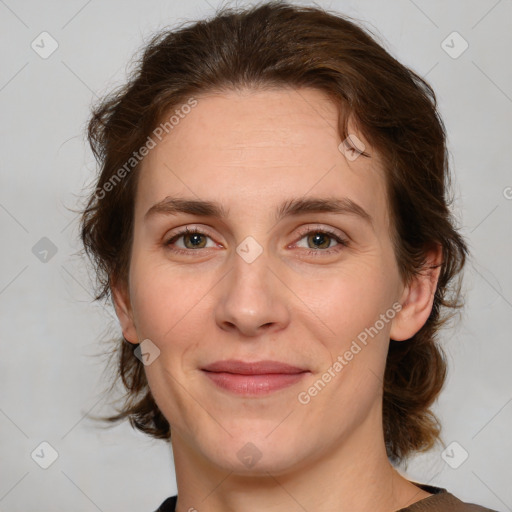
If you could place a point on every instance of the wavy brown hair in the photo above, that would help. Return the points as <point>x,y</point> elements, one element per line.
<point>275,45</point>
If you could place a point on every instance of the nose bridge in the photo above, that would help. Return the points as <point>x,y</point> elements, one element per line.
<point>252,298</point>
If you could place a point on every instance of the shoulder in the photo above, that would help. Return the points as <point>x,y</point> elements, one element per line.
<point>169,505</point>
<point>442,500</point>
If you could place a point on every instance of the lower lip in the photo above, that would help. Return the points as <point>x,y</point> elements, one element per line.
<point>254,384</point>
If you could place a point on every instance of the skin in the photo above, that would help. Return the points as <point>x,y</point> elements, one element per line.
<point>250,151</point>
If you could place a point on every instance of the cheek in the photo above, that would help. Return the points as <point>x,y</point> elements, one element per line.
<point>166,300</point>
<point>349,300</point>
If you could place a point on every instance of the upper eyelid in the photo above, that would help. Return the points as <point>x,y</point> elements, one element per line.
<point>303,230</point>
<point>189,230</point>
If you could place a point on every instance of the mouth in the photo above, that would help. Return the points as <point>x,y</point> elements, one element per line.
<point>253,378</point>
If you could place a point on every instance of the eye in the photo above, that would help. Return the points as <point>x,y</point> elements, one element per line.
<point>192,239</point>
<point>319,241</point>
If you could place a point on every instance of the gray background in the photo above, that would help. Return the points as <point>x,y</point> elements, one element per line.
<point>51,375</point>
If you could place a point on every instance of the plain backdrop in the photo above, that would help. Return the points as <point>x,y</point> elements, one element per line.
<point>51,331</point>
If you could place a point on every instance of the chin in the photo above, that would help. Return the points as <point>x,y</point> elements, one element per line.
<point>255,453</point>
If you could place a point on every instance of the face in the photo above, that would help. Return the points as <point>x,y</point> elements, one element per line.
<point>264,278</point>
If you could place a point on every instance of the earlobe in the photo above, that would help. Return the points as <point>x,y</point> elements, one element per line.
<point>122,305</point>
<point>418,298</point>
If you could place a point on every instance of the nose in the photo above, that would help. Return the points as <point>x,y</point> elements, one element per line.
<point>253,300</point>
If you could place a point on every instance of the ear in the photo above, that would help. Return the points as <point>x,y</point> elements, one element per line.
<point>122,305</point>
<point>417,298</point>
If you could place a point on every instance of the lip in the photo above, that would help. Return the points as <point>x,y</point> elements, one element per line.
<point>253,378</point>
<point>252,368</point>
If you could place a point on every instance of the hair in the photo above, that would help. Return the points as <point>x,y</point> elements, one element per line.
<point>279,45</point>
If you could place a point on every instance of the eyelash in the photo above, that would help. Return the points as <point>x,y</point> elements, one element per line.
<point>310,252</point>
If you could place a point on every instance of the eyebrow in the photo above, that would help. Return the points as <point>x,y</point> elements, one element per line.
<point>291,207</point>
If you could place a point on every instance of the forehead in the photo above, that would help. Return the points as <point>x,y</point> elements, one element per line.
<point>242,148</point>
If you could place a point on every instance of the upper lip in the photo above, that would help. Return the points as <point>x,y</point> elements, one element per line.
<point>252,368</point>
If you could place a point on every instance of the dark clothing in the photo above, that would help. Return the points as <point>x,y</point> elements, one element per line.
<point>440,501</point>
<point>169,505</point>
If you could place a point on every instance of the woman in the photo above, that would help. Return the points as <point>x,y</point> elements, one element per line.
<point>271,222</point>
